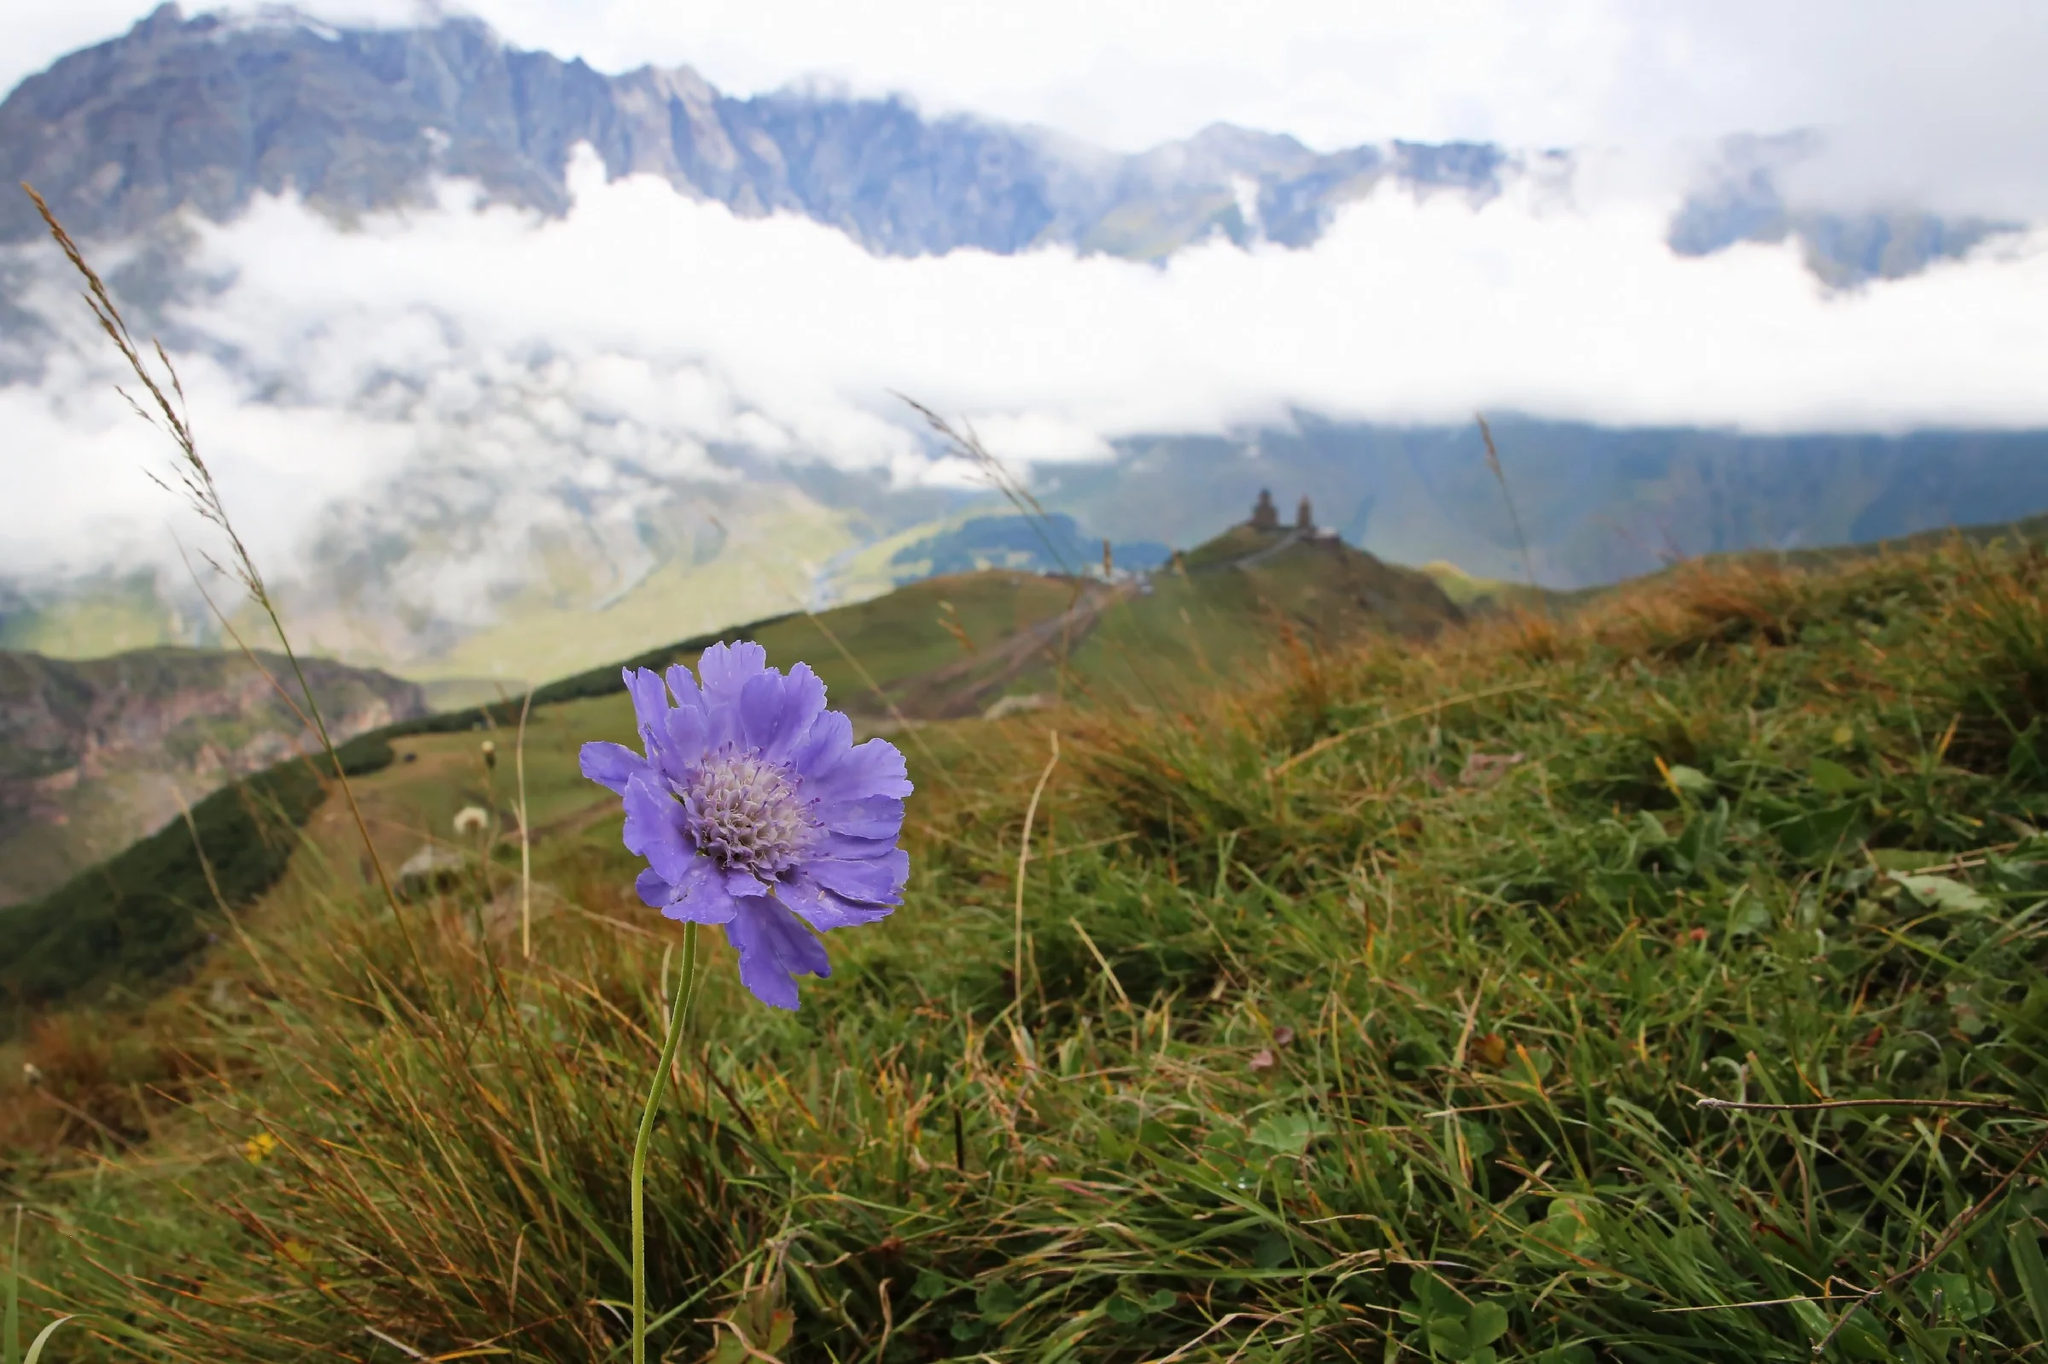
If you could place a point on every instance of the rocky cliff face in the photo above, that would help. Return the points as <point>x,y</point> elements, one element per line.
<point>206,112</point>
<point>95,754</point>
<point>203,113</point>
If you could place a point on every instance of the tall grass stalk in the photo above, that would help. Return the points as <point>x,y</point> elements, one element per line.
<point>1023,861</point>
<point>525,834</point>
<point>195,482</point>
<point>678,1023</point>
<point>10,1311</point>
<point>1500,477</point>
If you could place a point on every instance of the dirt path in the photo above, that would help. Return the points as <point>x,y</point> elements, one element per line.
<point>961,688</point>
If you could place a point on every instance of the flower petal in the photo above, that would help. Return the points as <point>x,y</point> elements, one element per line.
<point>867,817</point>
<point>654,892</point>
<point>701,898</point>
<point>654,829</point>
<point>776,711</point>
<point>650,704</point>
<point>845,848</point>
<point>825,910</point>
<point>875,880</point>
<point>723,669</point>
<point>774,947</point>
<point>611,765</point>
<point>684,686</point>
<point>829,741</point>
<point>740,882</point>
<point>686,737</point>
<point>874,768</point>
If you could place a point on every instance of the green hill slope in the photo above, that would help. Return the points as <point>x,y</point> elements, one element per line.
<point>96,753</point>
<point>1360,1009</point>
<point>938,649</point>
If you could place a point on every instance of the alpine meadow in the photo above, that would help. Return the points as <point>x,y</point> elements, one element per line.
<point>1099,910</point>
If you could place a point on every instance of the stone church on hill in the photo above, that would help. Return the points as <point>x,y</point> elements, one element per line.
<point>1266,517</point>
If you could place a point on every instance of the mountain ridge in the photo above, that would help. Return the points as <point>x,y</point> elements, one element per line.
<point>208,111</point>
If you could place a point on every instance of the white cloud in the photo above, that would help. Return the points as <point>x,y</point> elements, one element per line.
<point>500,367</point>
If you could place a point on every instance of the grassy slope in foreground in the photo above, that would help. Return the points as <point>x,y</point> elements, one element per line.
<point>1362,1012</point>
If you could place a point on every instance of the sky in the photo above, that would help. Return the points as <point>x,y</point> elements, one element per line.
<point>1936,104</point>
<point>402,373</point>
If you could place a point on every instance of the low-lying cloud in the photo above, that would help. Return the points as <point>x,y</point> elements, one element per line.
<point>603,358</point>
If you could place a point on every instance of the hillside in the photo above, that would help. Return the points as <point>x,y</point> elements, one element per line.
<point>952,646</point>
<point>1597,506</point>
<point>943,648</point>
<point>1363,999</point>
<point>94,754</point>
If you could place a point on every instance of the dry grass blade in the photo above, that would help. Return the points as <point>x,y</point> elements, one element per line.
<point>203,494</point>
<point>1023,860</point>
<point>967,445</point>
<point>525,834</point>
<point>1514,517</point>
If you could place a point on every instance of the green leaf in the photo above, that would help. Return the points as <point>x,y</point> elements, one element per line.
<point>1449,1335</point>
<point>1831,777</point>
<point>1691,779</point>
<point>1817,831</point>
<point>1570,1223</point>
<point>1940,892</point>
<point>1907,859</point>
<point>1435,1298</point>
<point>1124,1310</point>
<point>1962,1297</point>
<point>1161,1300</point>
<point>2032,1272</point>
<point>997,1300</point>
<point>1488,1323</point>
<point>930,1284</point>
<point>1288,1132</point>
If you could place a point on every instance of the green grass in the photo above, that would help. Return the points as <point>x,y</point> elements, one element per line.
<point>95,754</point>
<point>1366,1003</point>
<point>138,917</point>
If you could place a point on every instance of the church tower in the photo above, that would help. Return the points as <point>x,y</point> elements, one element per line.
<point>1265,516</point>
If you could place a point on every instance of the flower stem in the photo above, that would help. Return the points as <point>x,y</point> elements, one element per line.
<point>678,1018</point>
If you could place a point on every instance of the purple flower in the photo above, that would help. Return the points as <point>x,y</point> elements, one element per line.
<point>755,810</point>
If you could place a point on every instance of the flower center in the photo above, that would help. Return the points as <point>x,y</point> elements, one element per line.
<point>745,814</point>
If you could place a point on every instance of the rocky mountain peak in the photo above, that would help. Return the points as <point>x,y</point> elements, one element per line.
<point>202,113</point>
